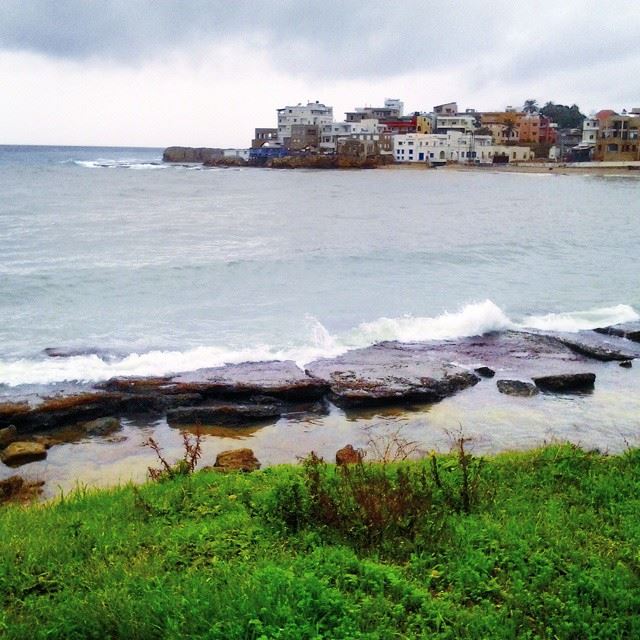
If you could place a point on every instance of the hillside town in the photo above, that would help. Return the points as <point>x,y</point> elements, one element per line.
<point>309,135</point>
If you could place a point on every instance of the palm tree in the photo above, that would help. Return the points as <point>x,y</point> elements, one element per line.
<point>531,106</point>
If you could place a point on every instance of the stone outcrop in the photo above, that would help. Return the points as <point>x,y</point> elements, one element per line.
<point>384,374</point>
<point>517,388</point>
<point>236,460</point>
<point>566,382</point>
<point>18,453</point>
<point>191,154</point>
<point>327,162</point>
<point>390,373</point>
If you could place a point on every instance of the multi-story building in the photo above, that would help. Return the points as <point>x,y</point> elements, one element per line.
<point>534,128</point>
<point>465,123</point>
<point>504,125</point>
<point>618,138</point>
<point>332,133</point>
<point>311,114</point>
<point>440,148</point>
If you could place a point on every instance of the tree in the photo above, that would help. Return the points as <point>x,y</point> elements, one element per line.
<point>510,125</point>
<point>565,117</point>
<point>531,106</point>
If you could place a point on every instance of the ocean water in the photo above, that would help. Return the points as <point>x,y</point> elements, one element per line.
<point>148,269</point>
<point>169,268</point>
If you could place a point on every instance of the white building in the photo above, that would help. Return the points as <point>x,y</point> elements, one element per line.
<point>331,133</point>
<point>313,113</point>
<point>590,131</point>
<point>440,148</point>
<point>464,123</point>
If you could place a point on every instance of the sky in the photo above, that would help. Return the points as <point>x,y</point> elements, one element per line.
<point>207,72</point>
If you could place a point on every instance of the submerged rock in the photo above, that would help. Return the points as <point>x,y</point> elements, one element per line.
<point>485,372</point>
<point>236,460</point>
<point>566,382</point>
<point>18,453</point>
<point>229,414</point>
<point>517,388</point>
<point>626,364</point>
<point>101,426</point>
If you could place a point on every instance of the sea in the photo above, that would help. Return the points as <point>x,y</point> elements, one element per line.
<point>146,268</point>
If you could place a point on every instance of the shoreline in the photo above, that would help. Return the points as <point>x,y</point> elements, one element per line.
<point>94,433</point>
<point>619,169</point>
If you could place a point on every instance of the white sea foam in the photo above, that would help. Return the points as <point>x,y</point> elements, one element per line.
<point>473,319</point>
<point>582,320</point>
<point>123,163</point>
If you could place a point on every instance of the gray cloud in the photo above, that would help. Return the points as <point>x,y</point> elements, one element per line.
<point>341,39</point>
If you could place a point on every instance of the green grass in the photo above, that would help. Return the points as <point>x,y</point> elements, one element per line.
<point>550,549</point>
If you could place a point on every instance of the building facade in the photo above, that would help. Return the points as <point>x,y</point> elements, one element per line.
<point>618,138</point>
<point>311,114</point>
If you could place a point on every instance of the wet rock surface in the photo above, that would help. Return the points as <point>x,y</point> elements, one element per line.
<point>101,426</point>
<point>387,373</point>
<point>628,330</point>
<point>18,453</point>
<point>517,388</point>
<point>227,414</point>
<point>566,382</point>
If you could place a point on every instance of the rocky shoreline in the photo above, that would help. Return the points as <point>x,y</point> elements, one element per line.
<point>386,374</point>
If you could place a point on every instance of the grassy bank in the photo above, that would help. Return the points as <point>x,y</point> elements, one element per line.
<point>543,544</point>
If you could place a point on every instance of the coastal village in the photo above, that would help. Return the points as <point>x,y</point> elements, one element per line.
<point>309,135</point>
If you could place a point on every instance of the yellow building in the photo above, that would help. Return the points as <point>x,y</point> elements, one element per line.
<point>424,124</point>
<point>618,139</point>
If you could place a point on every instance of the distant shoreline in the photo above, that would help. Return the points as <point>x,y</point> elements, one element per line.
<point>624,169</point>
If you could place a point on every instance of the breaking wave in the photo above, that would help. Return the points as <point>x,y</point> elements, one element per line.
<point>473,319</point>
<point>101,163</point>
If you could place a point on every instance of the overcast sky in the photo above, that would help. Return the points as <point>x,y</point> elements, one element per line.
<point>206,72</point>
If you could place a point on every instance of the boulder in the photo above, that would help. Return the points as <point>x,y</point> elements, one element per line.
<point>626,364</point>
<point>101,426</point>
<point>18,453</point>
<point>517,388</point>
<point>8,435</point>
<point>236,460</point>
<point>485,372</point>
<point>229,414</point>
<point>348,455</point>
<point>566,382</point>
